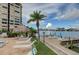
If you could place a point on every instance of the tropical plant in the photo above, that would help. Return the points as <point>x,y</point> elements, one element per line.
<point>36,16</point>
<point>32,32</point>
<point>15,34</point>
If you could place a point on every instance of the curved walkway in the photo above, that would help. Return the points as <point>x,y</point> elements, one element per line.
<point>54,44</point>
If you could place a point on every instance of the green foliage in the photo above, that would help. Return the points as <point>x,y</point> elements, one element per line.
<point>15,34</point>
<point>42,49</point>
<point>70,45</point>
<point>76,49</point>
<point>12,34</point>
<point>32,32</point>
<point>26,34</point>
<point>36,16</point>
<point>4,30</point>
<point>0,31</point>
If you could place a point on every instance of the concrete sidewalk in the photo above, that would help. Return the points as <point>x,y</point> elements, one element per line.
<point>54,44</point>
<point>29,53</point>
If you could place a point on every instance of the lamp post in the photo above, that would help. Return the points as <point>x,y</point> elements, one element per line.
<point>43,37</point>
<point>71,42</point>
<point>60,35</point>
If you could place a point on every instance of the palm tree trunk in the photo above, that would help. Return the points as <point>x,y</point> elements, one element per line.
<point>37,24</point>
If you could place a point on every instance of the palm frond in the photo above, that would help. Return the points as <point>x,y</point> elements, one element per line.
<point>39,12</point>
<point>36,15</point>
<point>42,16</point>
<point>30,20</point>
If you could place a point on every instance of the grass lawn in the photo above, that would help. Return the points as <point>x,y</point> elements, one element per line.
<point>76,49</point>
<point>42,49</point>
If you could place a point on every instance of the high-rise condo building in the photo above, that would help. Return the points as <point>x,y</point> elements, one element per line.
<point>10,16</point>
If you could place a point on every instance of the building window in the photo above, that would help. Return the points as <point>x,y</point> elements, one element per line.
<point>11,4</point>
<point>17,6</point>
<point>4,22</point>
<point>4,26</point>
<point>11,20</point>
<point>4,13</point>
<point>4,19</point>
<point>15,26</point>
<point>16,23</point>
<point>17,11</point>
<point>11,23</point>
<point>5,7</point>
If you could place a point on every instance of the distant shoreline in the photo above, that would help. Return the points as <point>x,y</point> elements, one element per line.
<point>58,30</point>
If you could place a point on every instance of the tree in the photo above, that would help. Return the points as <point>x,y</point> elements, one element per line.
<point>32,32</point>
<point>36,16</point>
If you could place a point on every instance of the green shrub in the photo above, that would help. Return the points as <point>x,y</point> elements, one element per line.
<point>12,34</point>
<point>15,34</point>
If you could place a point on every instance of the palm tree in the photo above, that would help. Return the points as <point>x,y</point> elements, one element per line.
<point>32,32</point>
<point>36,16</point>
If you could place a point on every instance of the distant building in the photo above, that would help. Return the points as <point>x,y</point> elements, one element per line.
<point>10,13</point>
<point>60,29</point>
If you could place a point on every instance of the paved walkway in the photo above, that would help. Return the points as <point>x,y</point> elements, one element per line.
<point>9,50</point>
<point>29,53</point>
<point>54,44</point>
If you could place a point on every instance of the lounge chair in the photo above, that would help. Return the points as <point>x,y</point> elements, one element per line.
<point>25,41</point>
<point>2,43</point>
<point>24,46</point>
<point>22,38</point>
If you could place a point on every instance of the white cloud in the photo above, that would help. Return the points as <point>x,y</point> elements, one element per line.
<point>46,8</point>
<point>49,26</point>
<point>75,26</point>
<point>71,13</point>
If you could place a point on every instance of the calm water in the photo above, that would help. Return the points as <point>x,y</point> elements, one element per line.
<point>64,34</point>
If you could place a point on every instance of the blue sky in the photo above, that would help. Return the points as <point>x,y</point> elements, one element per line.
<point>58,15</point>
